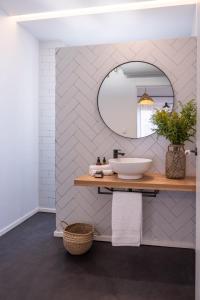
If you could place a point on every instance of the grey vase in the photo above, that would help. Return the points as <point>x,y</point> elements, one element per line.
<point>175,162</point>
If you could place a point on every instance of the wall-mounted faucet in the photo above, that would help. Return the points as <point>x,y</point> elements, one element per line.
<point>117,152</point>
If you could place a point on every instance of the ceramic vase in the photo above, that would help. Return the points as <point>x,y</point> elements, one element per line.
<point>175,162</point>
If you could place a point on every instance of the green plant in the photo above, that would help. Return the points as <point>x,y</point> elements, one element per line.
<point>177,127</point>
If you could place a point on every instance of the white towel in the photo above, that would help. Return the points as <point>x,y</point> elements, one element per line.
<point>105,172</point>
<point>126,219</point>
<point>99,167</point>
<point>106,169</point>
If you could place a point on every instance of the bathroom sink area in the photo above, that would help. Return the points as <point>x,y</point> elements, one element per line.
<point>130,168</point>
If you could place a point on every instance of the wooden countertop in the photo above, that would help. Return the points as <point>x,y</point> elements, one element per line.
<point>149,182</point>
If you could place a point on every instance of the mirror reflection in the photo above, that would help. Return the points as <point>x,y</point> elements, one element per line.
<point>129,95</point>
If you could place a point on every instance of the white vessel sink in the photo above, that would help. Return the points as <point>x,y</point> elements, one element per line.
<point>130,168</point>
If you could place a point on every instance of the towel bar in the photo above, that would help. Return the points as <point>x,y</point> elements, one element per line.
<point>145,193</point>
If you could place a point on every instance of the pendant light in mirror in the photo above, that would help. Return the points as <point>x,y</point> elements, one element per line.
<point>146,99</point>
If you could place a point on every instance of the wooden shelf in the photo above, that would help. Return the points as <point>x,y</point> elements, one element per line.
<point>149,182</point>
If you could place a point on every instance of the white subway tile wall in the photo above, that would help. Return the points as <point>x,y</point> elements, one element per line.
<point>47,126</point>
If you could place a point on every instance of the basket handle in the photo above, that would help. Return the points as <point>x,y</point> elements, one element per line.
<point>64,224</point>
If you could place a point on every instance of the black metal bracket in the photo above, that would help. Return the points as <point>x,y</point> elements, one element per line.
<point>194,151</point>
<point>145,193</point>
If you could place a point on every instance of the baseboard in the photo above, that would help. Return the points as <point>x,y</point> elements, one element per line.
<point>18,221</point>
<point>25,217</point>
<point>170,244</point>
<point>47,210</point>
<point>103,238</point>
<point>58,233</point>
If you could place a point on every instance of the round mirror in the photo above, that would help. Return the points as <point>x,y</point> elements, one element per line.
<point>129,95</point>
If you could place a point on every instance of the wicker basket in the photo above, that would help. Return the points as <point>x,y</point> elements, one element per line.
<point>77,238</point>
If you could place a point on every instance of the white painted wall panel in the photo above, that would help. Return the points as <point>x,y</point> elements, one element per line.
<point>198,161</point>
<point>18,122</point>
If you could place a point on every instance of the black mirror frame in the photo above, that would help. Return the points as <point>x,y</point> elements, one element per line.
<point>106,77</point>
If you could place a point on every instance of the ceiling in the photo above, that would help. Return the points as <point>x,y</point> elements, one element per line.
<point>157,23</point>
<point>16,7</point>
<point>141,69</point>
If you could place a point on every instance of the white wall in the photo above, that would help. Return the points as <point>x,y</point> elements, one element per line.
<point>18,123</point>
<point>47,126</point>
<point>116,103</point>
<point>198,162</point>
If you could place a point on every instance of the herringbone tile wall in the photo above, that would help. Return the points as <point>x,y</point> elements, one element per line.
<point>81,136</point>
